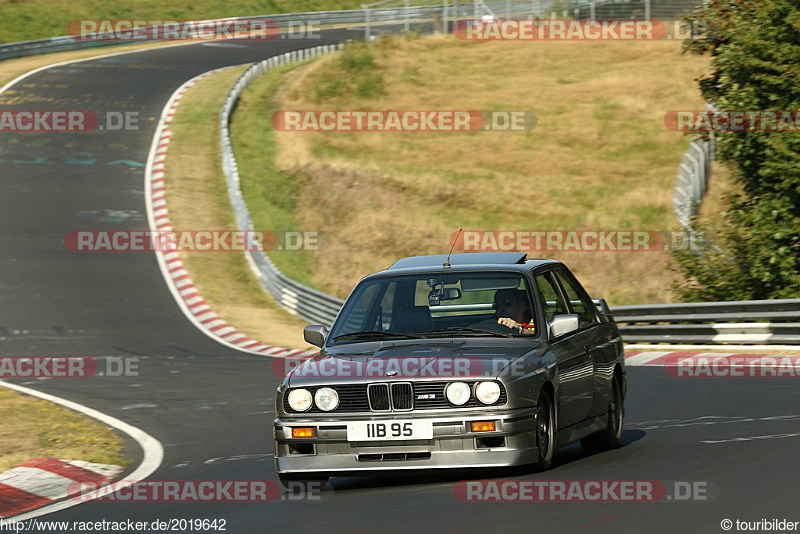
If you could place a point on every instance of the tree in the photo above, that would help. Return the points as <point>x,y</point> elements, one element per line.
<point>755,50</point>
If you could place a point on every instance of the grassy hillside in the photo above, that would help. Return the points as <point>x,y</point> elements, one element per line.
<point>23,20</point>
<point>600,157</point>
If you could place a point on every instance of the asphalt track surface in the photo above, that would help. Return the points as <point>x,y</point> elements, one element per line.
<point>211,406</point>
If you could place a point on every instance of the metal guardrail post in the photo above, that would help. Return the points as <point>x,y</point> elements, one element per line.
<point>366,22</point>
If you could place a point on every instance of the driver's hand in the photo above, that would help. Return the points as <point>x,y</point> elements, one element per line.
<point>507,321</point>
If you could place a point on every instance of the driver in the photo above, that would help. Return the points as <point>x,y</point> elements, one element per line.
<point>511,310</point>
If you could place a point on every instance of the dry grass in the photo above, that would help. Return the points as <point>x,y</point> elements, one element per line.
<point>35,428</point>
<point>198,200</point>
<point>600,157</point>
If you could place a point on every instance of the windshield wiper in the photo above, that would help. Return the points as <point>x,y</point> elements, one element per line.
<point>376,333</point>
<point>462,330</point>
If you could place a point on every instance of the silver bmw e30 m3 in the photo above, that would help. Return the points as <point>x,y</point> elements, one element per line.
<point>469,360</point>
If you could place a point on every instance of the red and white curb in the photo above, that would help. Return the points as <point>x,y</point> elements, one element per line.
<point>177,277</point>
<point>674,359</point>
<point>45,480</point>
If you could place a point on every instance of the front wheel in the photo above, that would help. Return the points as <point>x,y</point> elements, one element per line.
<point>611,436</point>
<point>545,431</point>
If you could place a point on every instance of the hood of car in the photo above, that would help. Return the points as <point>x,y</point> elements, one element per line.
<point>409,360</point>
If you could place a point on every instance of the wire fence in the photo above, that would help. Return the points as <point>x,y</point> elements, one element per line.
<point>437,16</point>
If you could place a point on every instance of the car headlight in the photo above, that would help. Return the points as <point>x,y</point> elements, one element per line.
<point>457,393</point>
<point>487,392</point>
<point>326,399</point>
<point>300,400</point>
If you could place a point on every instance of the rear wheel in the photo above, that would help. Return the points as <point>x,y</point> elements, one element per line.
<point>545,431</point>
<point>611,436</point>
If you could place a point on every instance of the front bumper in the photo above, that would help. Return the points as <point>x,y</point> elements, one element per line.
<point>453,444</point>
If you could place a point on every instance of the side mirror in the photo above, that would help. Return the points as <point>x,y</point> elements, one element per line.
<point>315,334</point>
<point>563,324</point>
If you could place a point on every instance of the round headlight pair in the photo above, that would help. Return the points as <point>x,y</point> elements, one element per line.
<point>326,399</point>
<point>487,392</point>
<point>459,393</point>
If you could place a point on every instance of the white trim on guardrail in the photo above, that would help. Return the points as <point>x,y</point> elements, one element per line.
<point>300,300</point>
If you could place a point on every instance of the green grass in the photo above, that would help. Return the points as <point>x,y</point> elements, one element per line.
<point>598,159</point>
<point>198,198</point>
<point>271,193</point>
<point>23,20</point>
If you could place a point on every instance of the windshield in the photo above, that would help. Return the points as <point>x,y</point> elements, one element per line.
<point>442,305</point>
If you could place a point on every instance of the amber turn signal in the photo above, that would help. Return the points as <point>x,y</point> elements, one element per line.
<point>303,432</point>
<point>483,426</point>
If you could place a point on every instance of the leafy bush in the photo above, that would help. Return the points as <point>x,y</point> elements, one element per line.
<point>755,49</point>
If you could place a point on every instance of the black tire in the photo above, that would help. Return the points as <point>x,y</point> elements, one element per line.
<point>302,482</point>
<point>611,436</point>
<point>546,431</point>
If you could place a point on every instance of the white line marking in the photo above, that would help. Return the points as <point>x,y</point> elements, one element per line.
<point>161,132</point>
<point>152,449</point>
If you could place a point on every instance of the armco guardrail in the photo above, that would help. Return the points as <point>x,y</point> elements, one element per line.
<point>415,14</point>
<point>694,172</point>
<point>438,13</point>
<point>301,300</point>
<point>739,322</point>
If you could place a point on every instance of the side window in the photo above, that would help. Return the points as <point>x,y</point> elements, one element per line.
<point>578,301</point>
<point>553,302</point>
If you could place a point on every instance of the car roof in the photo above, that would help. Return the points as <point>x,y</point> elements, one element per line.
<point>474,261</point>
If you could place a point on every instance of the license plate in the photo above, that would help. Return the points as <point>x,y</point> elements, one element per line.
<point>389,430</point>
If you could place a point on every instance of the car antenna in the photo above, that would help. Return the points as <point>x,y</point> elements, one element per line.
<point>446,263</point>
